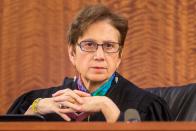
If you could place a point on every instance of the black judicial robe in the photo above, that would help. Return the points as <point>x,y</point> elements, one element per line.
<point>123,93</point>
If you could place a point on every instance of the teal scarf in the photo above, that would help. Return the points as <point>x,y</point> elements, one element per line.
<point>101,91</point>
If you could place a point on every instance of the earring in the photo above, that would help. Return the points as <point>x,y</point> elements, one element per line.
<point>74,78</point>
<point>116,79</point>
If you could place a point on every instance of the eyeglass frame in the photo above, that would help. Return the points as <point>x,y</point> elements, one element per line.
<point>97,46</point>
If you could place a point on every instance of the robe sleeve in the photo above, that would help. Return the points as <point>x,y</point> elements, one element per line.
<point>21,104</point>
<point>154,109</point>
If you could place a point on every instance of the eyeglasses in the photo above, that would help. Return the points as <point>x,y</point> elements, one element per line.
<point>92,46</point>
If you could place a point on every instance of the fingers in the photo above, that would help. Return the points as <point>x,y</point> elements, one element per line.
<point>67,110</point>
<point>64,116</point>
<point>62,112</point>
<point>60,92</point>
<point>63,98</point>
<point>69,101</point>
<point>67,105</point>
<point>81,93</point>
<point>73,96</point>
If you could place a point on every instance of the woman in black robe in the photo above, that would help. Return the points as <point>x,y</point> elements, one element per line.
<point>98,93</point>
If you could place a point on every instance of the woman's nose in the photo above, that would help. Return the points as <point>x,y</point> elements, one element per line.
<point>99,54</point>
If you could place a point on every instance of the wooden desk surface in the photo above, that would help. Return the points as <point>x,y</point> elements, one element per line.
<point>97,126</point>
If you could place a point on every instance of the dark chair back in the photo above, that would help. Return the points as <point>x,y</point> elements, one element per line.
<point>181,100</point>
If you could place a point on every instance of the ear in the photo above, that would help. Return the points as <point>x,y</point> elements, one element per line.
<point>72,54</point>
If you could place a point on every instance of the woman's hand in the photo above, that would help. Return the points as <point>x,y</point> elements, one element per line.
<point>84,102</point>
<point>73,96</point>
<point>76,101</point>
<point>103,104</point>
<point>69,100</point>
<point>47,105</point>
<point>66,98</point>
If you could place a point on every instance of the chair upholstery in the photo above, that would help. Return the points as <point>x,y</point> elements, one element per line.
<point>181,100</point>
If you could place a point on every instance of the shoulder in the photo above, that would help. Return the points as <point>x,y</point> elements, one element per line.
<point>22,103</point>
<point>132,91</point>
<point>47,92</point>
<point>150,106</point>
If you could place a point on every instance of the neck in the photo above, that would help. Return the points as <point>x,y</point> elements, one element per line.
<point>92,85</point>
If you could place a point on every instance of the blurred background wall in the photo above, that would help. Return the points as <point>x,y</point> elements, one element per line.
<point>160,47</point>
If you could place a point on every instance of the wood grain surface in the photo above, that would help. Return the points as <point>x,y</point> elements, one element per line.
<point>97,126</point>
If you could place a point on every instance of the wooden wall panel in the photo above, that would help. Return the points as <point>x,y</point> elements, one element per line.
<point>160,47</point>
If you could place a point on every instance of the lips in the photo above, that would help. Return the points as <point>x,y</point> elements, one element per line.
<point>98,67</point>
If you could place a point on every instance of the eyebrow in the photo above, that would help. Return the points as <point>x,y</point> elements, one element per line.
<point>102,41</point>
<point>89,40</point>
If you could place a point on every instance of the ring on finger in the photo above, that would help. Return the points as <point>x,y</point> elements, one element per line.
<point>61,106</point>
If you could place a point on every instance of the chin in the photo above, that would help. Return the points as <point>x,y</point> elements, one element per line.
<point>98,77</point>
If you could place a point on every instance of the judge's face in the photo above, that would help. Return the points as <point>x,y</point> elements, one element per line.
<point>99,64</point>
